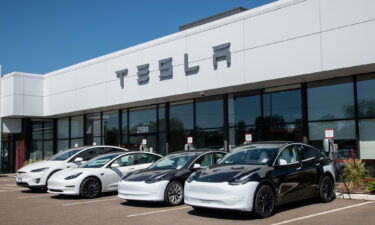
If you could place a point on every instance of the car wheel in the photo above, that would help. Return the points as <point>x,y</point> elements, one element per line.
<point>264,201</point>
<point>327,189</point>
<point>174,193</point>
<point>90,188</point>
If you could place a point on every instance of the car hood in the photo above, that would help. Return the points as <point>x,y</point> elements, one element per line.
<point>62,174</point>
<point>146,174</point>
<point>225,173</point>
<point>42,164</point>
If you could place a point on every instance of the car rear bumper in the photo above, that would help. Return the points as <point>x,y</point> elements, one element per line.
<point>220,195</point>
<point>142,191</point>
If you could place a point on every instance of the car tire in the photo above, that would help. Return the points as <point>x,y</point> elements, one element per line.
<point>264,201</point>
<point>174,193</point>
<point>327,189</point>
<point>90,188</point>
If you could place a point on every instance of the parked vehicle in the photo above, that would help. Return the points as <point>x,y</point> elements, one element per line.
<point>35,175</point>
<point>258,176</point>
<point>164,180</point>
<point>100,174</point>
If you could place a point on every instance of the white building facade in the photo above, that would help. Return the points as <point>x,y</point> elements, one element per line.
<point>284,71</point>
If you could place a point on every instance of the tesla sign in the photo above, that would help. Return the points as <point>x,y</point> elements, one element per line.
<point>220,53</point>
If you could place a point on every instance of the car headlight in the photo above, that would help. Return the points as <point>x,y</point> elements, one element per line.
<point>242,179</point>
<point>192,177</point>
<point>39,170</point>
<point>73,176</point>
<point>157,178</point>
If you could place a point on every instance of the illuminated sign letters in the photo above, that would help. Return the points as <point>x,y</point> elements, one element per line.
<point>220,53</point>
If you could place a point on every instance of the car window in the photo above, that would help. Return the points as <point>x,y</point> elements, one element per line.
<point>174,161</point>
<point>143,158</point>
<point>99,161</point>
<point>287,156</point>
<point>61,156</point>
<point>249,155</point>
<point>87,154</point>
<point>105,150</point>
<point>218,156</point>
<point>308,153</point>
<point>126,160</point>
<point>205,160</point>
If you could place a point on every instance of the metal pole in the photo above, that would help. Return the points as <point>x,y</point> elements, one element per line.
<point>1,143</point>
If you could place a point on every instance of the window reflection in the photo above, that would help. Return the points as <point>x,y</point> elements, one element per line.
<point>366,96</point>
<point>142,120</point>
<point>244,110</point>
<point>181,116</point>
<point>333,99</point>
<point>110,128</point>
<point>209,112</point>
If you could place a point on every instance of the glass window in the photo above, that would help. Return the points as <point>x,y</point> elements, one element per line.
<point>42,132</point>
<point>211,138</point>
<point>124,121</point>
<point>93,128</point>
<point>76,127</point>
<point>209,112</point>
<point>366,95</point>
<point>62,144</point>
<point>48,130</point>
<point>237,135</point>
<point>205,160</point>
<point>127,160</point>
<point>343,129</point>
<point>308,153</point>
<point>36,150</point>
<point>244,110</point>
<point>76,142</point>
<point>161,118</point>
<point>174,161</point>
<point>178,139</point>
<point>135,141</point>
<point>333,99</point>
<point>143,158</point>
<point>99,161</point>
<point>218,156</point>
<point>37,130</point>
<point>287,156</point>
<point>63,128</point>
<point>181,116</point>
<point>282,107</point>
<point>111,128</point>
<point>142,120</point>
<point>88,154</point>
<point>47,149</point>
<point>249,154</point>
<point>367,138</point>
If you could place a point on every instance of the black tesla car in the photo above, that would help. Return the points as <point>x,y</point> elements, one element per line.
<point>258,176</point>
<point>164,180</point>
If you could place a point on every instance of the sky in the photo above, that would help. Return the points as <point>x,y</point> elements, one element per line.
<point>40,36</point>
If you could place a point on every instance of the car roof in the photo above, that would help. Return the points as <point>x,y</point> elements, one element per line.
<point>277,144</point>
<point>203,150</point>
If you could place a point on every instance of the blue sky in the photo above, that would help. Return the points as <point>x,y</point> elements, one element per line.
<point>39,36</point>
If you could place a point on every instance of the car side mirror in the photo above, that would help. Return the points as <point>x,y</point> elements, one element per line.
<point>78,160</point>
<point>196,166</point>
<point>115,165</point>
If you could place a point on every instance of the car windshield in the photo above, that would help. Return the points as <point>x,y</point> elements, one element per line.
<point>64,155</point>
<point>99,161</point>
<point>251,155</point>
<point>175,161</point>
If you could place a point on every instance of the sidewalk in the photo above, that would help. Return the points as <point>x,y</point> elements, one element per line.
<point>356,196</point>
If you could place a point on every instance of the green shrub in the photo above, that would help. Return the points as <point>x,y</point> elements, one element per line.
<point>354,172</point>
<point>371,186</point>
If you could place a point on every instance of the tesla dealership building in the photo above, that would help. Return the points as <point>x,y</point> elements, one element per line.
<point>284,71</point>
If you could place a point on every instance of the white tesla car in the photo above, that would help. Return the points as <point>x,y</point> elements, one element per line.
<point>35,175</point>
<point>100,174</point>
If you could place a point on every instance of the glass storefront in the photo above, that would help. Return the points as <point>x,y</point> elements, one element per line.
<point>346,105</point>
<point>41,139</point>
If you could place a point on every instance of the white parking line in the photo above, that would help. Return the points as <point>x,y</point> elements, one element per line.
<point>159,211</point>
<point>2,191</point>
<point>100,200</point>
<point>322,213</point>
<point>36,196</point>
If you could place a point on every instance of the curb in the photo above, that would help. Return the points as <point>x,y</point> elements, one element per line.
<point>356,196</point>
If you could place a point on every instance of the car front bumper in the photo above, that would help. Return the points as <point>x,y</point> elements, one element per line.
<point>63,187</point>
<point>220,195</point>
<point>31,180</point>
<point>142,191</point>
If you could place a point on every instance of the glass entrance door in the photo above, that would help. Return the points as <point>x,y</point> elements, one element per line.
<point>136,140</point>
<point>7,154</point>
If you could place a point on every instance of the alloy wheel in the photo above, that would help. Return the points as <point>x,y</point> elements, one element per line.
<point>175,193</point>
<point>327,192</point>
<point>264,202</point>
<point>90,188</point>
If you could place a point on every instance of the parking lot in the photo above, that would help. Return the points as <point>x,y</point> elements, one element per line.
<point>19,206</point>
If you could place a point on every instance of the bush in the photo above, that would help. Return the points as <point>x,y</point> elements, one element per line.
<point>371,186</point>
<point>354,172</point>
